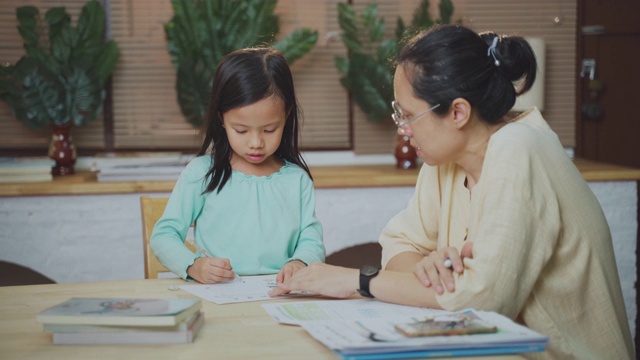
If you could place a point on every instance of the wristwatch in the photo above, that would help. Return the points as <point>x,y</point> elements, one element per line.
<point>367,273</point>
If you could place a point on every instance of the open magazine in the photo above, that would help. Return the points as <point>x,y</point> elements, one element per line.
<point>365,329</point>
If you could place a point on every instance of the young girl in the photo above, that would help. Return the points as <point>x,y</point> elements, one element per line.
<point>252,199</point>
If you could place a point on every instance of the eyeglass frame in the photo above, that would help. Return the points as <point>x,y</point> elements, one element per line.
<point>397,113</point>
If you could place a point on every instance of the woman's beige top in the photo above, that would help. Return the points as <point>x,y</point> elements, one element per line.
<point>542,249</point>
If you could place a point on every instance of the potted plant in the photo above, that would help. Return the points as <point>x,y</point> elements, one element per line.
<point>202,32</point>
<point>367,69</point>
<point>60,81</point>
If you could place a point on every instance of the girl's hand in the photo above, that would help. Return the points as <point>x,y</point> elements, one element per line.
<point>208,270</point>
<point>288,270</point>
<point>322,279</point>
<point>432,271</point>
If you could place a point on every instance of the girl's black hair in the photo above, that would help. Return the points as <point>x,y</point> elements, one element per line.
<point>452,61</point>
<point>244,77</point>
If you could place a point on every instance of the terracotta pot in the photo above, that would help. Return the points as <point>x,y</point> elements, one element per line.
<point>62,150</point>
<point>405,153</point>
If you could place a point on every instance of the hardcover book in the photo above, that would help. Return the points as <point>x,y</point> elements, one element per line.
<point>116,335</point>
<point>120,312</point>
<point>20,170</point>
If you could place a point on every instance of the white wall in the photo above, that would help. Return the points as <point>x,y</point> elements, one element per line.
<point>99,237</point>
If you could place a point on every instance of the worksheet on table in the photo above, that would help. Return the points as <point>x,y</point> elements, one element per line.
<point>241,289</point>
<point>296,313</point>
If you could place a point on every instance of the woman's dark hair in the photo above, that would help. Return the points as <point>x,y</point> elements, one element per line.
<point>244,77</point>
<point>452,61</point>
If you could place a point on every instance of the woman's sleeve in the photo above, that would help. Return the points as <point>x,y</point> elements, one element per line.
<point>414,229</point>
<point>170,232</point>
<point>517,222</point>
<point>309,247</point>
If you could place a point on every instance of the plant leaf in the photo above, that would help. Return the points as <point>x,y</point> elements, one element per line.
<point>35,94</point>
<point>106,61</point>
<point>446,11</point>
<point>347,22</point>
<point>342,64</point>
<point>297,44</point>
<point>193,85</point>
<point>83,94</point>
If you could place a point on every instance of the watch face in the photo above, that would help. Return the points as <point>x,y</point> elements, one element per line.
<point>369,270</point>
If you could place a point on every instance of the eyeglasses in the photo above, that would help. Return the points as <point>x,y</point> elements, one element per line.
<point>397,115</point>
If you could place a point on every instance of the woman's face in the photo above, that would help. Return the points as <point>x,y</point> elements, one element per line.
<point>435,138</point>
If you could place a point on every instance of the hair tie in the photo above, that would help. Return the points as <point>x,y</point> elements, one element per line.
<point>492,51</point>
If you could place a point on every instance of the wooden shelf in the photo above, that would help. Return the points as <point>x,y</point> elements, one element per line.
<point>85,183</point>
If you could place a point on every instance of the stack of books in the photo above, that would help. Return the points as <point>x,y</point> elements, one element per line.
<point>139,166</point>
<point>361,329</point>
<point>104,321</point>
<point>150,171</point>
<point>28,169</point>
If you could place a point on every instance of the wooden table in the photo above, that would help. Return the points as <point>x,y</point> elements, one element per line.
<point>231,331</point>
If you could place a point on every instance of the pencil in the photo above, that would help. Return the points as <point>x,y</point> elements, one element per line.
<point>198,248</point>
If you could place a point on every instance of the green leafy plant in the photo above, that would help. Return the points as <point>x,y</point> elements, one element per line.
<point>367,70</point>
<point>202,32</point>
<point>61,78</point>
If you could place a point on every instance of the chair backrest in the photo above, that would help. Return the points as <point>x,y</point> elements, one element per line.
<point>152,209</point>
<point>357,256</point>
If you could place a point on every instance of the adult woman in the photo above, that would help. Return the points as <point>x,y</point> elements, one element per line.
<point>497,191</point>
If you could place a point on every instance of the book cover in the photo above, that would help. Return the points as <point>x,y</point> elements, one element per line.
<point>25,169</point>
<point>428,354</point>
<point>74,328</point>
<point>133,335</point>
<point>120,311</point>
<point>22,178</point>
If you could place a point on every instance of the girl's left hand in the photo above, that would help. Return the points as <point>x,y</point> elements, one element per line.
<point>288,270</point>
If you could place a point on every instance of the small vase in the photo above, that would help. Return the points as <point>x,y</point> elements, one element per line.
<point>62,150</point>
<point>405,153</point>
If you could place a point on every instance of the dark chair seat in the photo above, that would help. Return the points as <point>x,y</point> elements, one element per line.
<point>357,256</point>
<point>13,274</point>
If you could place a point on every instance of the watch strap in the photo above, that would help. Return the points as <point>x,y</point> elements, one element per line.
<point>367,273</point>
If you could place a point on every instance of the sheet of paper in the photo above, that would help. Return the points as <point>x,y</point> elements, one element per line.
<point>295,313</point>
<point>241,289</point>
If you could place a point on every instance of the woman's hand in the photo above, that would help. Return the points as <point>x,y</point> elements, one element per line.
<point>322,279</point>
<point>432,271</point>
<point>208,270</point>
<point>288,270</point>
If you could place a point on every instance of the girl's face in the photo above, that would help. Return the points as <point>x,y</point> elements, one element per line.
<point>254,132</point>
<point>435,138</point>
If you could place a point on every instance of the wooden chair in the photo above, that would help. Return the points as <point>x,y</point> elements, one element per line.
<point>152,209</point>
<point>15,274</point>
<point>357,256</point>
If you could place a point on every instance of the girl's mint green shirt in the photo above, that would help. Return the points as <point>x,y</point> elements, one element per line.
<point>258,222</point>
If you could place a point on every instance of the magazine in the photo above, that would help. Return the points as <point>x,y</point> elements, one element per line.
<point>365,329</point>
